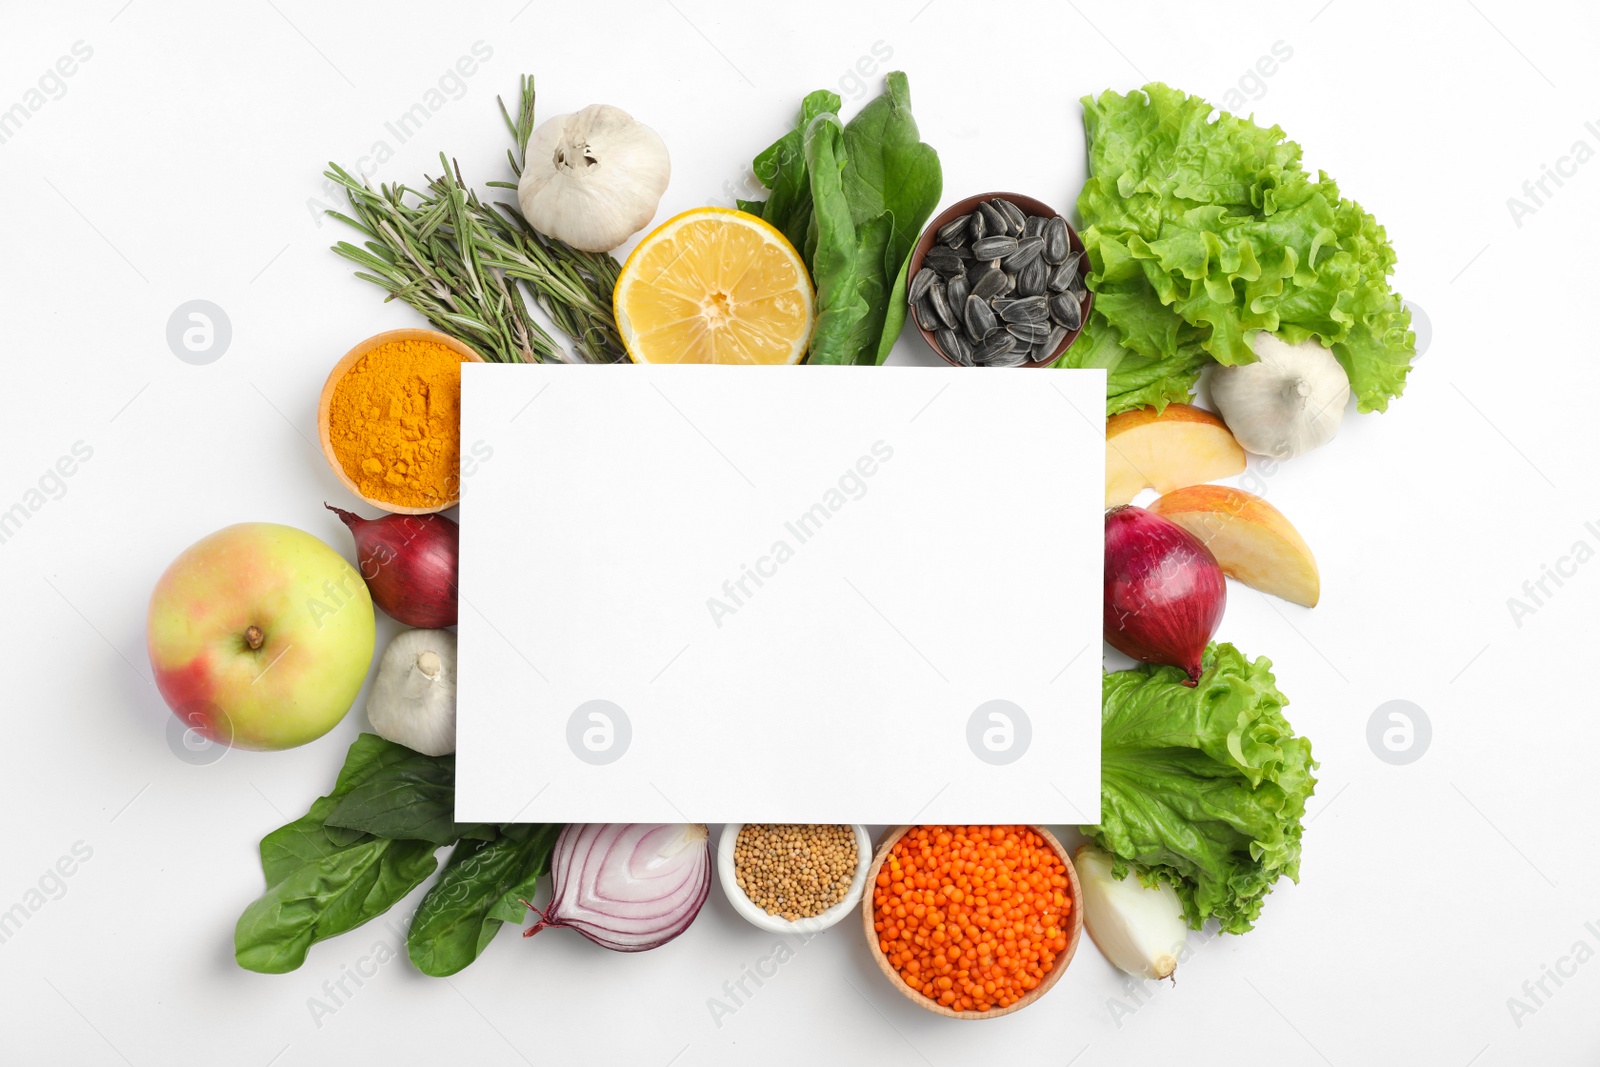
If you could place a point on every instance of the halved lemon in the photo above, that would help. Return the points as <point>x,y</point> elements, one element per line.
<point>714,286</point>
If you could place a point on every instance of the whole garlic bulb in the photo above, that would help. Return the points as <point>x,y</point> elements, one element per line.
<point>1291,400</point>
<point>593,178</point>
<point>413,697</point>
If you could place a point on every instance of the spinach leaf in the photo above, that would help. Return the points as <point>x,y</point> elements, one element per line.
<point>308,838</point>
<point>894,315</point>
<point>848,262</point>
<point>408,799</point>
<point>371,841</point>
<point>319,900</point>
<point>322,880</point>
<point>853,200</point>
<point>889,169</point>
<point>481,887</point>
<point>782,169</point>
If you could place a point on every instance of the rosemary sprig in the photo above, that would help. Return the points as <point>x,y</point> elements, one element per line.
<point>464,264</point>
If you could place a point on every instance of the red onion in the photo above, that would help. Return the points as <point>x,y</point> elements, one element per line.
<point>1164,590</point>
<point>627,886</point>
<point>409,563</point>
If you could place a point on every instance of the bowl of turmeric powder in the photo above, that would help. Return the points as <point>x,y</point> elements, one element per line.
<point>390,420</point>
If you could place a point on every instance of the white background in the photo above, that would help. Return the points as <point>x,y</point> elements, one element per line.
<point>178,164</point>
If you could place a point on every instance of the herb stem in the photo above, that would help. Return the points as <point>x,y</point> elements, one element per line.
<point>476,270</point>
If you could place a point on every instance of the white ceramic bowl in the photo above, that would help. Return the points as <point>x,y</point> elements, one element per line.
<point>758,916</point>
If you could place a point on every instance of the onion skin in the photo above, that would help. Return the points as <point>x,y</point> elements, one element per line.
<point>410,564</point>
<point>1164,592</point>
<point>628,887</point>
<point>1140,929</point>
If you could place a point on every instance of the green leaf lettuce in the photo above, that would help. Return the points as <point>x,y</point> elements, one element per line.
<point>1203,787</point>
<point>1200,231</point>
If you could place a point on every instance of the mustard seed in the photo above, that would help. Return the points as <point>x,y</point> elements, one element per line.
<point>795,870</point>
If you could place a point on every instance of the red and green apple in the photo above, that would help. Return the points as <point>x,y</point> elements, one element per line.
<point>260,636</point>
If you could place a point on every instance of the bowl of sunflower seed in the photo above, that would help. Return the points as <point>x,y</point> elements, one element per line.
<point>997,280</point>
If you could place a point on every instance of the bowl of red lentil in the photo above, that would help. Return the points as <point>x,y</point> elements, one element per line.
<point>794,877</point>
<point>972,922</point>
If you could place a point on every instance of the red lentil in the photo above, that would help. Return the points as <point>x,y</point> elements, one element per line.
<point>972,917</point>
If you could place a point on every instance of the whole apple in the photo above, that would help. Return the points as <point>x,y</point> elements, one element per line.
<point>260,636</point>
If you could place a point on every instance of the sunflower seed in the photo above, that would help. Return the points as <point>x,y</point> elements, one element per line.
<point>955,290</point>
<point>1061,277</point>
<point>1029,332</point>
<point>1056,242</point>
<point>979,318</point>
<point>942,259</point>
<point>927,318</point>
<point>1031,279</point>
<point>940,302</point>
<point>1028,250</point>
<point>952,344</point>
<point>1026,309</point>
<point>994,247</point>
<point>920,282</point>
<point>999,234</point>
<point>1065,310</point>
<point>1065,273</point>
<point>1043,353</point>
<point>1057,335</point>
<point>1016,357</point>
<point>990,221</point>
<point>1015,219</point>
<point>991,283</point>
<point>952,229</point>
<point>977,226</point>
<point>992,347</point>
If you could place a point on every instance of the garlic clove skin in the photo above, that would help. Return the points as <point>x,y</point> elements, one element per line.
<point>593,178</point>
<point>413,697</point>
<point>1291,400</point>
<point>1140,929</point>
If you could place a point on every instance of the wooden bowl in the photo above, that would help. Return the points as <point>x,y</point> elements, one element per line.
<point>1030,207</point>
<point>325,405</point>
<point>1075,891</point>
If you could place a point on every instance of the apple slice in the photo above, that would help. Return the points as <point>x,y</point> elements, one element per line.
<point>1182,446</point>
<point>1251,539</point>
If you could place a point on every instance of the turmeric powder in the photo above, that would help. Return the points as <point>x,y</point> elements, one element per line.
<point>395,424</point>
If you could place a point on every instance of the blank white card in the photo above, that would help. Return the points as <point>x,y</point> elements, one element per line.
<point>785,594</point>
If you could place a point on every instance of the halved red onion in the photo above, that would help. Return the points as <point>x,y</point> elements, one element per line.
<point>627,886</point>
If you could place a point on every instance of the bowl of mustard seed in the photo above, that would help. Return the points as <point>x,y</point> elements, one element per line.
<point>794,877</point>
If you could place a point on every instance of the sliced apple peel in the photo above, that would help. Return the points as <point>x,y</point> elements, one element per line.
<point>1251,539</point>
<point>1182,446</point>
